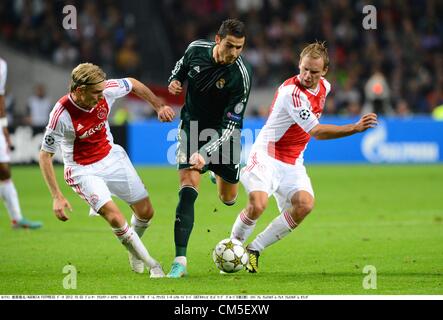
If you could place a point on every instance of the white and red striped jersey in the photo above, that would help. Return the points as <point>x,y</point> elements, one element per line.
<point>3,75</point>
<point>294,112</point>
<point>83,135</point>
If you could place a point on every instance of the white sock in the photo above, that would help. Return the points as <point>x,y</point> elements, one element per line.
<point>243,227</point>
<point>129,238</point>
<point>276,230</point>
<point>9,194</point>
<point>139,225</point>
<point>182,260</point>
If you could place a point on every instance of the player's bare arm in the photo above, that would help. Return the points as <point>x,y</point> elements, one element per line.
<point>59,201</point>
<point>164,112</point>
<point>330,131</point>
<point>175,87</point>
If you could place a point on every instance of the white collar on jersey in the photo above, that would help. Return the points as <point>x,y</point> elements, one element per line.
<point>77,106</point>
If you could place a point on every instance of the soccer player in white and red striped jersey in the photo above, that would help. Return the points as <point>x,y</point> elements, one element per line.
<point>275,165</point>
<point>94,166</point>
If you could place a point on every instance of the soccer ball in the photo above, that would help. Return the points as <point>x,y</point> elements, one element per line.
<point>230,256</point>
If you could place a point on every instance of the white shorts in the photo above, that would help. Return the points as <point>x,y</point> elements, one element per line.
<point>113,175</point>
<point>5,154</point>
<point>276,178</point>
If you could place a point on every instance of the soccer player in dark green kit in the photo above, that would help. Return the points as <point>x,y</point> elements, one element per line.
<point>219,81</point>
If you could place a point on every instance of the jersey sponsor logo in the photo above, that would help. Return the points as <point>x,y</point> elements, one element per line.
<point>91,131</point>
<point>376,147</point>
<point>233,117</point>
<point>101,113</point>
<point>49,140</point>
<point>220,83</point>
<point>239,107</point>
<point>304,114</point>
<point>197,69</point>
<point>79,127</point>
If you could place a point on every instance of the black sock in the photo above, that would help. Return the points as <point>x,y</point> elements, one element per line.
<point>184,219</point>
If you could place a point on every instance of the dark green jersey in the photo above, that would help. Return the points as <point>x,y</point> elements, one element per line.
<point>216,95</point>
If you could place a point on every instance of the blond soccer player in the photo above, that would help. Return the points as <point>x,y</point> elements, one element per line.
<point>275,165</point>
<point>94,166</point>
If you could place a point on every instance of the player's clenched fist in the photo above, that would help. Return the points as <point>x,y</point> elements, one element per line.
<point>197,161</point>
<point>175,87</point>
<point>166,114</point>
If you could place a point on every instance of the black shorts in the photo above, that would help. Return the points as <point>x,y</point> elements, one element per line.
<point>224,162</point>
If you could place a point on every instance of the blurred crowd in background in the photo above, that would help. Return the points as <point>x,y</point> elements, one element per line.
<point>104,35</point>
<point>396,69</point>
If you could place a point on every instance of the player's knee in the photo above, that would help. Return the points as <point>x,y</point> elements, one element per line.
<point>5,173</point>
<point>256,208</point>
<point>258,202</point>
<point>147,212</point>
<point>112,216</point>
<point>259,208</point>
<point>150,212</point>
<point>304,207</point>
<point>143,209</point>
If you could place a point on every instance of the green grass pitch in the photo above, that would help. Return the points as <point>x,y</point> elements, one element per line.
<point>390,217</point>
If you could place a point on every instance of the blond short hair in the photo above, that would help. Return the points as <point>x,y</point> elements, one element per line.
<point>86,74</point>
<point>316,50</point>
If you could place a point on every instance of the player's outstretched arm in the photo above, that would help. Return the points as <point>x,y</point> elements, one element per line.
<point>330,131</point>
<point>59,201</point>
<point>164,112</point>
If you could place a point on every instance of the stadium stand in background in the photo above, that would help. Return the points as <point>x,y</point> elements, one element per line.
<point>404,52</point>
<point>105,36</point>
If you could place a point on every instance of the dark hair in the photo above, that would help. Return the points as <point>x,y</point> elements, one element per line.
<point>232,27</point>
